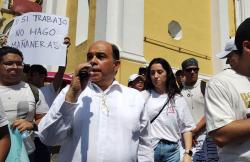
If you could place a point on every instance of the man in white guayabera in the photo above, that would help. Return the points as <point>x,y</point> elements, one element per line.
<point>96,118</point>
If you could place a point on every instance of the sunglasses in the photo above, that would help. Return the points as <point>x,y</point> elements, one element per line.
<point>192,69</point>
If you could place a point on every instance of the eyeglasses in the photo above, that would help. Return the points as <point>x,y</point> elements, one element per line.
<point>9,64</point>
<point>192,69</point>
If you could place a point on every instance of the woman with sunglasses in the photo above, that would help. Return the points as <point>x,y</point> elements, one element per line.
<point>168,112</point>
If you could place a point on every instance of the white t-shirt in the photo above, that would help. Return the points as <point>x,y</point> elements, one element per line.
<point>195,100</point>
<point>227,97</point>
<point>49,93</point>
<point>173,120</point>
<point>19,102</point>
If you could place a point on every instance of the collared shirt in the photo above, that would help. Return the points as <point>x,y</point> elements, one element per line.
<point>103,126</point>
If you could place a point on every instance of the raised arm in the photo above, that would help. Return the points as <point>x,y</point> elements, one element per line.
<point>55,126</point>
<point>58,80</point>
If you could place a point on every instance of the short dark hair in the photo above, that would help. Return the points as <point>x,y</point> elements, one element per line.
<point>242,34</point>
<point>142,71</point>
<point>178,73</point>
<point>38,69</point>
<point>7,49</point>
<point>130,84</point>
<point>115,52</point>
<point>189,62</point>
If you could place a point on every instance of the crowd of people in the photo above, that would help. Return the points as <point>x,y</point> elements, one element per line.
<point>160,116</point>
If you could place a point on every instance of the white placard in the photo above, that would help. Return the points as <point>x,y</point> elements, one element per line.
<point>40,37</point>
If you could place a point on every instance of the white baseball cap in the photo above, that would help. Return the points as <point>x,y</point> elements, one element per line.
<point>134,77</point>
<point>229,47</point>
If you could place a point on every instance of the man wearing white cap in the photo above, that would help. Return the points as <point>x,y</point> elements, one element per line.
<point>227,103</point>
<point>229,53</point>
<point>136,81</point>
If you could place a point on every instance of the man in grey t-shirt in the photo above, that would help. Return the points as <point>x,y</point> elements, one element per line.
<point>17,97</point>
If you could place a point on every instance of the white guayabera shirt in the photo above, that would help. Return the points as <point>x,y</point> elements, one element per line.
<point>103,126</point>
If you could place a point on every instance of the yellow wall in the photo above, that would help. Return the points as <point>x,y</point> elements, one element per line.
<point>193,16</point>
<point>196,34</point>
<point>127,68</point>
<point>6,15</point>
<point>77,54</point>
<point>232,18</point>
<point>195,20</point>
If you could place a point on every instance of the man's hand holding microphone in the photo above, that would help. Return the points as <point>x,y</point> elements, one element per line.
<point>79,82</point>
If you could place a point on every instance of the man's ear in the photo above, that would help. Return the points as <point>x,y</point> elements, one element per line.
<point>246,46</point>
<point>117,64</point>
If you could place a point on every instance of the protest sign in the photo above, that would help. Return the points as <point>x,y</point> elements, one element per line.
<point>40,37</point>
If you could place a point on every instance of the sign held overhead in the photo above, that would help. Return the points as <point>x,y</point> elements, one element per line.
<point>40,37</point>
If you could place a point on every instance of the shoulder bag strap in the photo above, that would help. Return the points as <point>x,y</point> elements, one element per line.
<point>151,121</point>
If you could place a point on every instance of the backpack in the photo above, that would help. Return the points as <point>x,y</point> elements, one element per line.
<point>35,92</point>
<point>203,87</point>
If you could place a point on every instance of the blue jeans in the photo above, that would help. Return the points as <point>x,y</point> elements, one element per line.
<point>167,151</point>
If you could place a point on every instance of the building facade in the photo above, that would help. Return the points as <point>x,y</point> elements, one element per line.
<point>175,30</point>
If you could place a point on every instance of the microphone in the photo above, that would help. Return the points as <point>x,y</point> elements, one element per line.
<point>83,74</point>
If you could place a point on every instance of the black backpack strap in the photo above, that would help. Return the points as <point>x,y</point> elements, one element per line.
<point>203,87</point>
<point>35,92</point>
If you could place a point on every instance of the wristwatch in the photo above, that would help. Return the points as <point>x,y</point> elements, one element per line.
<point>188,152</point>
